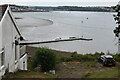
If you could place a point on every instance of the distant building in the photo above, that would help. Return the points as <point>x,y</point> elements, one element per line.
<point>12,55</point>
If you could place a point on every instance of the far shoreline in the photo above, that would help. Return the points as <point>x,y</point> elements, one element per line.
<point>62,10</point>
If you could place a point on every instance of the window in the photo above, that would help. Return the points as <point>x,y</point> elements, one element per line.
<point>22,50</point>
<point>15,52</point>
<point>110,59</point>
<point>16,49</point>
<point>2,58</point>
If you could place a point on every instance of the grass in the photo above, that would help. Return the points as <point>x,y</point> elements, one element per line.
<point>103,74</point>
<point>73,66</point>
<point>29,74</point>
<point>71,70</point>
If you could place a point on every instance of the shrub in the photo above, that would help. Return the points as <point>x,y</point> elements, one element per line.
<point>88,57</point>
<point>44,57</point>
<point>65,58</point>
<point>73,54</point>
<point>83,57</point>
<point>32,63</point>
<point>76,57</point>
<point>98,54</point>
<point>117,57</point>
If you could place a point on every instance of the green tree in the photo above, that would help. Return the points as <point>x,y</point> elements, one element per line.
<point>44,57</point>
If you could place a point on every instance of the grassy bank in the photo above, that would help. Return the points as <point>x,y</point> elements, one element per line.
<point>103,74</point>
<point>71,65</point>
<point>28,74</point>
<point>71,70</point>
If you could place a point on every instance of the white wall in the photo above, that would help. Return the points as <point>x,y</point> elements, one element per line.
<point>0,28</point>
<point>23,63</point>
<point>9,34</point>
<point>0,37</point>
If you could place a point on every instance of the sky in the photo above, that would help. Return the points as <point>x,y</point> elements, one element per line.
<point>62,2</point>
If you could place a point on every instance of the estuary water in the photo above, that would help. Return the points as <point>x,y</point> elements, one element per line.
<point>64,24</point>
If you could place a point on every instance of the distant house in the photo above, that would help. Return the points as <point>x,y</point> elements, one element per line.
<point>12,55</point>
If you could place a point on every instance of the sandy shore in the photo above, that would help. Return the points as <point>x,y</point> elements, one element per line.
<point>33,21</point>
<point>31,50</point>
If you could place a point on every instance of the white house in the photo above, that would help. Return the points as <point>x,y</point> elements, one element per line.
<point>12,55</point>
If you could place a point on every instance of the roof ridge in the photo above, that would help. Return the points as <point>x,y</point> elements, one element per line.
<point>2,10</point>
<point>6,9</point>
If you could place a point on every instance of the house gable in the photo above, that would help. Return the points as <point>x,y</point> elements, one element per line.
<point>9,43</point>
<point>5,9</point>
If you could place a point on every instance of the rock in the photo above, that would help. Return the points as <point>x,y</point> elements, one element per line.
<point>37,69</point>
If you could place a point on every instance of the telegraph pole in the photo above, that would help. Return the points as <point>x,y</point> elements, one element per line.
<point>117,29</point>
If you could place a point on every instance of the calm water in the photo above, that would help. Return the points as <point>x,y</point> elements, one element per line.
<point>96,25</point>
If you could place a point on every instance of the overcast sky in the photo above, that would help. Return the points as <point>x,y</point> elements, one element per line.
<point>62,2</point>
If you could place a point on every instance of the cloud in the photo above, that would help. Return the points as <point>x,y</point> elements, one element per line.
<point>60,2</point>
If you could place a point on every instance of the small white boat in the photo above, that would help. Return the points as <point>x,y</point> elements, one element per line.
<point>59,38</point>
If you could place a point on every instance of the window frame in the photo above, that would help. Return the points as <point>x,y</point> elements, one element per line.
<point>2,58</point>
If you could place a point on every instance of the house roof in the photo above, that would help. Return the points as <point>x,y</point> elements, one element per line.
<point>5,9</point>
<point>2,10</point>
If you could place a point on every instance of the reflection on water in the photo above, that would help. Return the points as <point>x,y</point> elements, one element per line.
<point>96,25</point>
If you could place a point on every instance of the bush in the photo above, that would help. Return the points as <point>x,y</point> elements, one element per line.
<point>117,57</point>
<point>44,57</point>
<point>83,57</point>
<point>76,57</point>
<point>63,58</point>
<point>88,57</point>
<point>98,54</point>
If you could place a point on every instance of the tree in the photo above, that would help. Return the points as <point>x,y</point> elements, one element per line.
<point>44,57</point>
